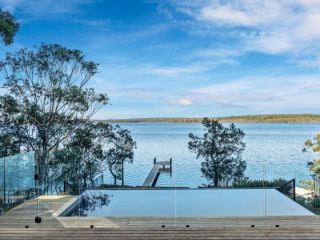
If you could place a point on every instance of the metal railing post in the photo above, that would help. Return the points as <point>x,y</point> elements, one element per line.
<point>294,189</point>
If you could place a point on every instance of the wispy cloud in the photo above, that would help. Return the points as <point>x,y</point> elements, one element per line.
<point>52,9</point>
<point>267,93</point>
<point>91,22</point>
<point>266,26</point>
<point>173,71</point>
<point>44,7</point>
<point>254,94</point>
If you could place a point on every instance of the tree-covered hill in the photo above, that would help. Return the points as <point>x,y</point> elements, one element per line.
<point>268,118</point>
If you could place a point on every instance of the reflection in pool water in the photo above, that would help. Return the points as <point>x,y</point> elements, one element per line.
<point>90,201</point>
<point>176,203</point>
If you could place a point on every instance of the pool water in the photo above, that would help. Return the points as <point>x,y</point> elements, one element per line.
<point>175,203</point>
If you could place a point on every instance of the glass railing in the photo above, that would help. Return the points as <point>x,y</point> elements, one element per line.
<point>159,195</point>
<point>2,186</point>
<point>17,183</point>
<point>292,196</point>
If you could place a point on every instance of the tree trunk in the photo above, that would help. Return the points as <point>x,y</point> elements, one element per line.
<point>92,181</point>
<point>216,179</point>
<point>41,159</point>
<point>113,175</point>
<point>122,174</point>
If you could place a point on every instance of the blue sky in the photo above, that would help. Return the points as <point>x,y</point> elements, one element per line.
<point>187,58</point>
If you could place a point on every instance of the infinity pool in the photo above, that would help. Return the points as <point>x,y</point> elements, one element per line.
<point>186,203</point>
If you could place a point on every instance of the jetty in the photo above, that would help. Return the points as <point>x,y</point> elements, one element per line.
<point>158,167</point>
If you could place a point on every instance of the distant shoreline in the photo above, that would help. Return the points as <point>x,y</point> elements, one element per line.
<point>267,118</point>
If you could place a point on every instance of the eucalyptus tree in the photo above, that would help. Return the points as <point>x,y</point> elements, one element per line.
<point>84,154</point>
<point>11,137</point>
<point>121,151</point>
<point>314,146</point>
<point>49,87</point>
<point>9,144</point>
<point>221,147</point>
<point>8,27</point>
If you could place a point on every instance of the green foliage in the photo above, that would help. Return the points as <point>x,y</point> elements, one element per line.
<point>120,152</point>
<point>8,27</point>
<point>314,146</point>
<point>48,109</point>
<point>47,101</point>
<point>221,147</point>
<point>12,130</point>
<point>88,152</point>
<point>248,183</point>
<point>307,184</point>
<point>83,154</point>
<point>310,202</point>
<point>48,85</point>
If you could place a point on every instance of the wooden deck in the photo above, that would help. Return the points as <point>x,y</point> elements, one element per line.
<point>13,225</point>
<point>122,234</point>
<point>151,179</point>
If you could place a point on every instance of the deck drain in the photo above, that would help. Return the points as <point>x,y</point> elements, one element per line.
<point>91,226</point>
<point>163,226</point>
<point>252,226</point>
<point>26,226</point>
<point>277,226</point>
<point>187,226</point>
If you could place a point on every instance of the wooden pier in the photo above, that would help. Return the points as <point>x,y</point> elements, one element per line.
<point>158,167</point>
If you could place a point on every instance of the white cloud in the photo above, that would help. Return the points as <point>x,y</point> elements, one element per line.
<point>267,26</point>
<point>227,15</point>
<point>184,102</point>
<point>272,43</point>
<point>242,13</point>
<point>212,56</point>
<point>173,71</point>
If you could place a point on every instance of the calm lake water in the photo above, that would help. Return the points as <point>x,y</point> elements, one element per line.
<point>272,150</point>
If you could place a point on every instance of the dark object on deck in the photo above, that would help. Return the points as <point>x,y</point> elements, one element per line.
<point>26,226</point>
<point>158,167</point>
<point>277,226</point>
<point>163,226</point>
<point>91,226</point>
<point>37,219</point>
<point>252,226</point>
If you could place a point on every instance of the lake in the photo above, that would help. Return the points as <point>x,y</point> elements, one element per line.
<point>272,151</point>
